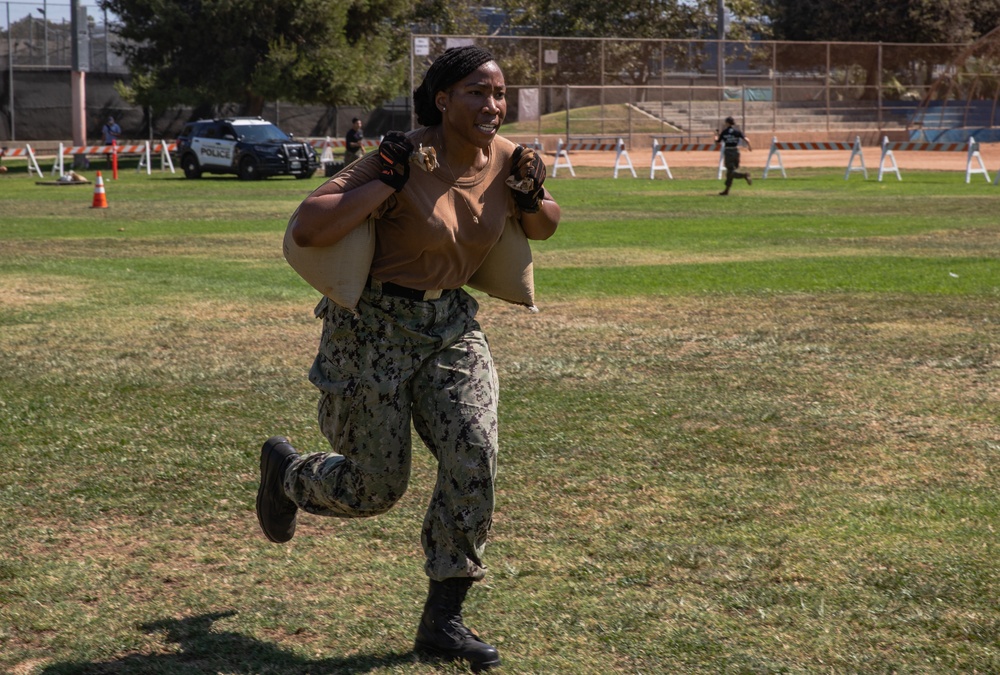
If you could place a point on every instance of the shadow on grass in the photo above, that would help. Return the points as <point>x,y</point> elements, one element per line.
<point>203,651</point>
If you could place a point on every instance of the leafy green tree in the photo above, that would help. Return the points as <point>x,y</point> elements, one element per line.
<point>656,19</point>
<point>198,52</point>
<point>913,21</point>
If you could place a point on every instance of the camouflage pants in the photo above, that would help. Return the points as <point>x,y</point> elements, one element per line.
<point>393,361</point>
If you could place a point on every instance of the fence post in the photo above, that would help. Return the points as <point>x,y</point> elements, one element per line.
<point>567,112</point>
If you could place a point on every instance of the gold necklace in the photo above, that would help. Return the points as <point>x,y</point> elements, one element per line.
<point>454,181</point>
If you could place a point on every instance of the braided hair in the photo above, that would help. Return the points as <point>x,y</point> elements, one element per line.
<point>446,70</point>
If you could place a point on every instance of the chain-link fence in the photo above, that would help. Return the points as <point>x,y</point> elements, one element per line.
<point>40,35</point>
<point>577,87</point>
<point>611,87</point>
<point>40,43</point>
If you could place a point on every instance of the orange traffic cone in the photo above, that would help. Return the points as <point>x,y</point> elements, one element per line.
<point>100,199</point>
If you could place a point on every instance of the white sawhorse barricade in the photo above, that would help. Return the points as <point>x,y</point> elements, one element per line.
<point>659,162</point>
<point>855,148</point>
<point>143,149</point>
<point>326,145</point>
<point>25,153</point>
<point>163,149</point>
<point>888,162</point>
<point>622,160</point>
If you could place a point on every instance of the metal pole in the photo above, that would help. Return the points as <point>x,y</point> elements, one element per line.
<point>690,111</point>
<point>879,83</point>
<point>602,89</point>
<point>743,104</point>
<point>567,114</point>
<point>413,48</point>
<point>775,81</point>
<point>828,80</point>
<point>721,21</point>
<point>541,95</point>
<point>10,73</point>
<point>628,113</point>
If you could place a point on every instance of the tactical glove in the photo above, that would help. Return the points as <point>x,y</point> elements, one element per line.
<point>394,155</point>
<point>527,174</point>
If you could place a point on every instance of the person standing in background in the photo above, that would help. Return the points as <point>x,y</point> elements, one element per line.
<point>109,134</point>
<point>352,145</point>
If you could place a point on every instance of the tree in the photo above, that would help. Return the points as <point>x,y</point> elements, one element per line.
<point>655,19</point>
<point>247,51</point>
<point>913,21</point>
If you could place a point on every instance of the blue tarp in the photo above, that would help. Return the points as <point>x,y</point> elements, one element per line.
<point>955,122</point>
<point>748,93</point>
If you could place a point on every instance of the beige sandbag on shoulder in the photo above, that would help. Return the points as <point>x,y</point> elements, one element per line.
<point>507,272</point>
<point>339,272</point>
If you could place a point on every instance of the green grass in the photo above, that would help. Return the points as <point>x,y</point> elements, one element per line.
<point>746,435</point>
<point>612,119</point>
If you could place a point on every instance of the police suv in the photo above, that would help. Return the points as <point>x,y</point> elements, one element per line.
<point>250,147</point>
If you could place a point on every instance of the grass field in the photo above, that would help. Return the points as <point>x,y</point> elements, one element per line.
<point>613,119</point>
<point>747,435</point>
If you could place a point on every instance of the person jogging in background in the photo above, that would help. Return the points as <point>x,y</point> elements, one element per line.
<point>731,137</point>
<point>412,352</point>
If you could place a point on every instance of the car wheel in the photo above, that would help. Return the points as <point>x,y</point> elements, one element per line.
<point>248,169</point>
<point>192,169</point>
<point>305,174</point>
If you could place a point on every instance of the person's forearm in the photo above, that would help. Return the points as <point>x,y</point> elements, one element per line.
<point>326,216</point>
<point>543,224</point>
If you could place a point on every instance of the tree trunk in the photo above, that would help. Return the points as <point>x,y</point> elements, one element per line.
<point>253,105</point>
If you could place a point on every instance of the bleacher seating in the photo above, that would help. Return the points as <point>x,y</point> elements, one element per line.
<point>766,116</point>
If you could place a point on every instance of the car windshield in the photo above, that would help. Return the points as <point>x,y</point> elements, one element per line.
<point>260,133</point>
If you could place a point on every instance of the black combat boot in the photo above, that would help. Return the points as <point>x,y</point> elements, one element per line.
<point>275,511</point>
<point>441,632</point>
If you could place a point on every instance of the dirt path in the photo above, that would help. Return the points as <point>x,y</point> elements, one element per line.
<point>790,159</point>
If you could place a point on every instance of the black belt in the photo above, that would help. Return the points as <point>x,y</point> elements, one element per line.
<point>389,288</point>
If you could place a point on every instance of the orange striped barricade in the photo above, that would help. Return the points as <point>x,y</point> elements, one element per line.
<point>888,161</point>
<point>25,153</point>
<point>536,146</point>
<point>59,167</point>
<point>855,148</point>
<point>163,149</point>
<point>659,162</point>
<point>598,144</point>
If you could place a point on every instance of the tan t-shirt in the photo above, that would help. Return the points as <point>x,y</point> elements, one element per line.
<point>437,231</point>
